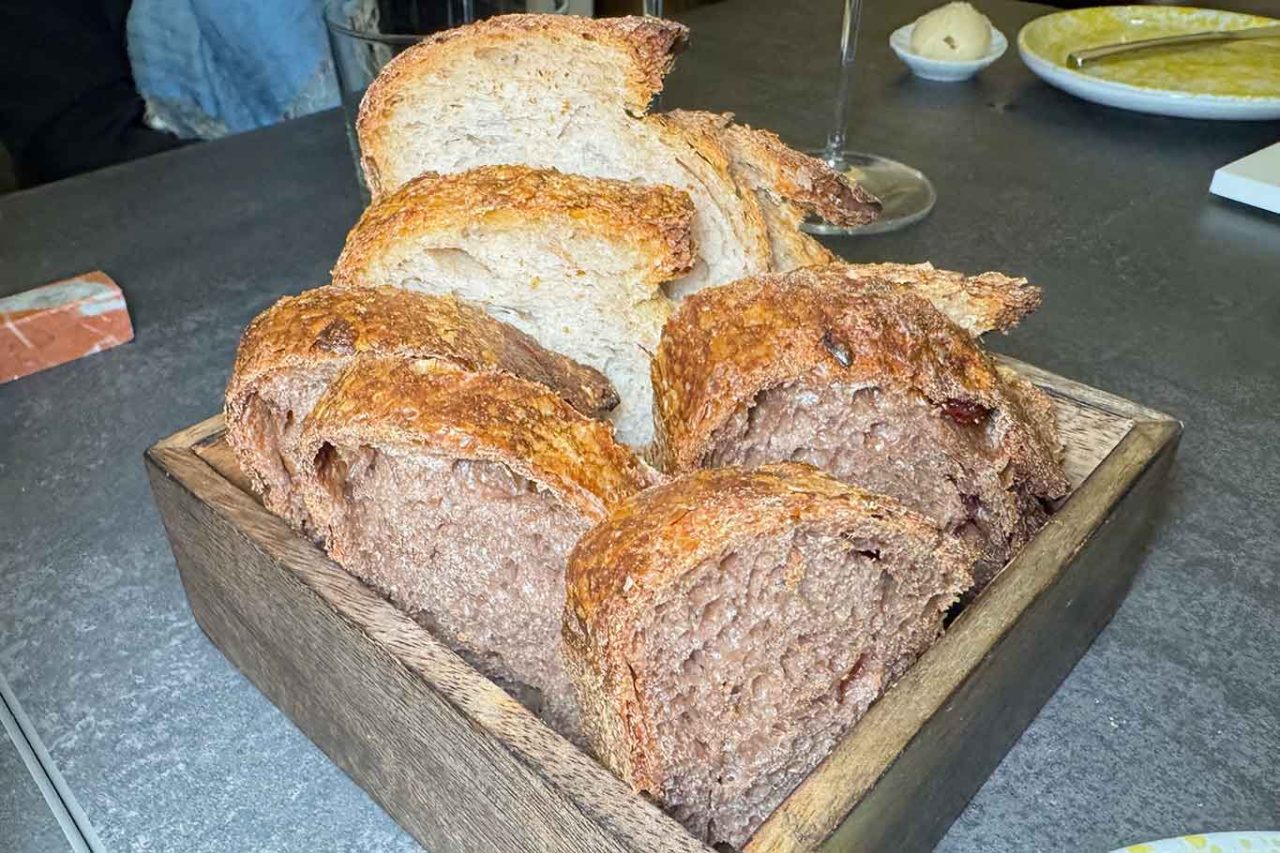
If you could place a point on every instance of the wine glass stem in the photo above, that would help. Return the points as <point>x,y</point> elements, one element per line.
<point>844,90</point>
<point>653,8</point>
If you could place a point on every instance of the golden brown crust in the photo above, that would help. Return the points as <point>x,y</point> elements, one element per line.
<point>643,49</point>
<point>799,178</point>
<point>341,323</point>
<point>727,344</point>
<point>979,303</point>
<point>436,407</point>
<point>651,539</point>
<point>657,218</point>
<point>779,182</point>
<point>792,248</point>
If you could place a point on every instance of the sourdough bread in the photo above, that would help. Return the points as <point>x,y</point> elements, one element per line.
<point>725,629</point>
<point>787,185</point>
<point>867,380</point>
<point>576,262</point>
<point>990,301</point>
<point>458,494</point>
<point>292,351</point>
<point>566,93</point>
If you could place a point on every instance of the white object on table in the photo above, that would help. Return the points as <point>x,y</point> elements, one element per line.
<point>1253,180</point>
<point>945,70</point>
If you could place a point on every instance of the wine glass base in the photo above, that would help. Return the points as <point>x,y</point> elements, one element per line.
<point>906,195</point>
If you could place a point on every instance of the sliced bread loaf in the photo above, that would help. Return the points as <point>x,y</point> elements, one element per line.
<point>458,494</point>
<point>291,352</point>
<point>567,93</point>
<point>576,262</point>
<point>725,629</point>
<point>867,380</point>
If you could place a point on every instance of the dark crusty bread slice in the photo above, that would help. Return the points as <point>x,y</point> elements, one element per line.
<point>292,351</point>
<point>725,629</point>
<point>566,93</point>
<point>869,381</point>
<point>576,262</point>
<point>458,494</point>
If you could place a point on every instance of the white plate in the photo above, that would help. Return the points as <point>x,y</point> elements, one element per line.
<point>1228,81</point>
<point>1213,842</point>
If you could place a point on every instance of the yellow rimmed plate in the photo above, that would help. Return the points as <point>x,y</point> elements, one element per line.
<point>1231,80</point>
<point>1213,842</point>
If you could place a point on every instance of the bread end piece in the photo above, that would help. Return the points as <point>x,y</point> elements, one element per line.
<point>798,178</point>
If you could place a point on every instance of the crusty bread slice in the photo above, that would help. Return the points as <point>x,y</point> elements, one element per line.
<point>980,303</point>
<point>509,81</point>
<point>458,494</point>
<point>788,185</point>
<point>725,629</point>
<point>576,262</point>
<point>290,353</point>
<point>566,93</point>
<point>869,381</point>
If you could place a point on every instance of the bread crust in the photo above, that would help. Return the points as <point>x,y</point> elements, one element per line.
<point>341,323</point>
<point>435,406</point>
<point>689,130</point>
<point>643,49</point>
<point>980,303</point>
<point>725,345</point>
<point>785,185</point>
<point>798,178</point>
<point>652,538</point>
<point>656,219</point>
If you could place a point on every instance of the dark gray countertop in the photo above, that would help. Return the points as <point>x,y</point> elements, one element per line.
<point>1154,290</point>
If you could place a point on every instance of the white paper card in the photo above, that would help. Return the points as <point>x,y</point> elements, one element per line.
<point>1252,180</point>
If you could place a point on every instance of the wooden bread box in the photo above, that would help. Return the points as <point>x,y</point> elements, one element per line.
<point>462,766</point>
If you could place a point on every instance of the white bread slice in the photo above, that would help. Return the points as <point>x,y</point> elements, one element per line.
<point>566,93</point>
<point>576,262</point>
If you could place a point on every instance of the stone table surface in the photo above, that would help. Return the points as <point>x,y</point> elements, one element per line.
<point>26,823</point>
<point>1153,290</point>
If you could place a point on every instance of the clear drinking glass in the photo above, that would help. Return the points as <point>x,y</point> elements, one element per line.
<point>365,34</point>
<point>905,194</point>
